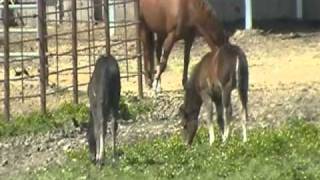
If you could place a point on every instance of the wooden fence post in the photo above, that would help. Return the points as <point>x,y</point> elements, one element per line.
<point>42,52</point>
<point>74,51</point>
<point>6,61</point>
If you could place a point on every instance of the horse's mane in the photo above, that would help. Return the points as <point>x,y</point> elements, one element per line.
<point>207,6</point>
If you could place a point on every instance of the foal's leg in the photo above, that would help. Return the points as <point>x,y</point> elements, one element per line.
<point>227,110</point>
<point>207,102</point>
<point>91,138</point>
<point>100,134</point>
<point>243,93</point>
<point>148,48</point>
<point>114,128</point>
<point>187,48</point>
<point>18,15</point>
<point>219,110</point>
<point>167,47</point>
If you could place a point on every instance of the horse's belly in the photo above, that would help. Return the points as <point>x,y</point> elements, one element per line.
<point>156,24</point>
<point>159,16</point>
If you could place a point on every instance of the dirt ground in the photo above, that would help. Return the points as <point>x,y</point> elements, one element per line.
<point>284,77</point>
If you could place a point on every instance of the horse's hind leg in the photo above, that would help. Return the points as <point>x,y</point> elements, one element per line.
<point>159,44</point>
<point>243,94</point>
<point>219,111</point>
<point>167,47</point>
<point>91,138</point>
<point>207,102</point>
<point>114,128</point>
<point>227,110</point>
<point>187,48</point>
<point>148,50</point>
<point>100,134</point>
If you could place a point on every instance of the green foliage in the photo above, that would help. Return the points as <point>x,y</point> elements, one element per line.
<point>36,122</point>
<point>289,152</point>
<point>131,106</point>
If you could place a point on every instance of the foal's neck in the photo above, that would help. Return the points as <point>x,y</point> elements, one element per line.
<point>193,101</point>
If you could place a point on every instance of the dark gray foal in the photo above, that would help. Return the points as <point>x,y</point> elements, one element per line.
<point>104,96</point>
<point>212,81</point>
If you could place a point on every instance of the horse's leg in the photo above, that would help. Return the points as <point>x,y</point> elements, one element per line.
<point>167,47</point>
<point>227,110</point>
<point>160,41</point>
<point>19,16</point>
<point>100,133</point>
<point>187,48</point>
<point>219,110</point>
<point>114,128</point>
<point>91,138</point>
<point>159,45</point>
<point>243,93</point>
<point>207,102</point>
<point>148,48</point>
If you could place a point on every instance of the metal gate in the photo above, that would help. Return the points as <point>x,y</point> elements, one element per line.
<point>50,59</point>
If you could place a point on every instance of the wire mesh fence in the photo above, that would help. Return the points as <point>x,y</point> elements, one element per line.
<point>48,49</point>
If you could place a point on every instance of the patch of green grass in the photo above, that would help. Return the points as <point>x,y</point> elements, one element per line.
<point>36,122</point>
<point>131,106</point>
<point>289,152</point>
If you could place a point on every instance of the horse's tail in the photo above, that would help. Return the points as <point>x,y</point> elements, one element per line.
<point>242,73</point>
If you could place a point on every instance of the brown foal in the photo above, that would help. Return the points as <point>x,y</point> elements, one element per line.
<point>212,81</point>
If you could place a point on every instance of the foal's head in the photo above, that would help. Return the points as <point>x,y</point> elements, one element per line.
<point>189,124</point>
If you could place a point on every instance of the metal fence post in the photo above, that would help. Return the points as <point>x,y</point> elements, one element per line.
<point>6,50</point>
<point>107,27</point>
<point>299,5</point>
<point>248,18</point>
<point>74,51</point>
<point>138,50</point>
<point>42,52</point>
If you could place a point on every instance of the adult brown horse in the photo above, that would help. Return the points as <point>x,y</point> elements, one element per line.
<point>172,20</point>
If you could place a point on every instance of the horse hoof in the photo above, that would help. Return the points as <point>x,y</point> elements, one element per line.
<point>245,140</point>
<point>157,87</point>
<point>154,94</point>
<point>211,141</point>
<point>92,159</point>
<point>158,90</point>
<point>154,85</point>
<point>99,163</point>
<point>224,139</point>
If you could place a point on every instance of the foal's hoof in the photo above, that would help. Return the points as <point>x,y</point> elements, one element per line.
<point>244,140</point>
<point>92,159</point>
<point>100,163</point>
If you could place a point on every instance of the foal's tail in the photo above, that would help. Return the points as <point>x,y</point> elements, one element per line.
<point>242,73</point>
<point>242,76</point>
